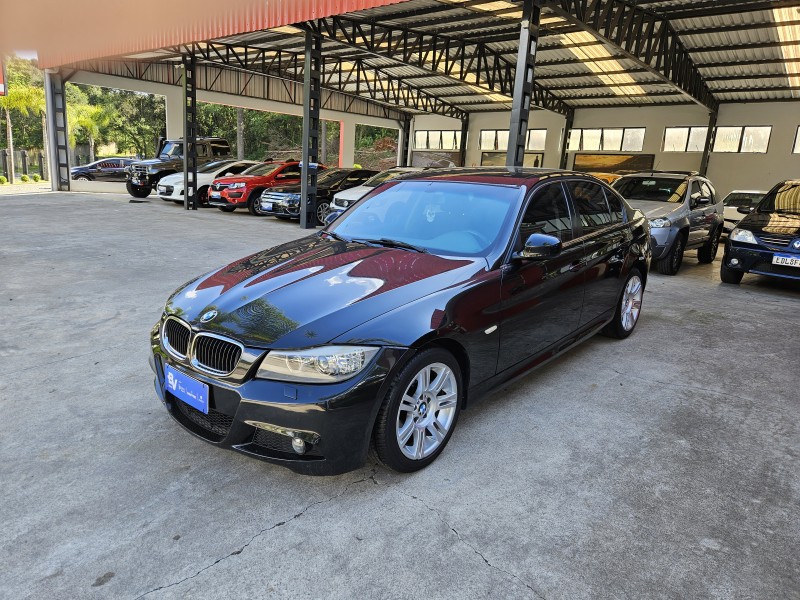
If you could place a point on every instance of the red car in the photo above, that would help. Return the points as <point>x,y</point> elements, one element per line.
<point>244,190</point>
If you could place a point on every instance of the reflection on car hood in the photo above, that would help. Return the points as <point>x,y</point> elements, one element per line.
<point>177,179</point>
<point>655,210</point>
<point>312,290</point>
<point>776,223</point>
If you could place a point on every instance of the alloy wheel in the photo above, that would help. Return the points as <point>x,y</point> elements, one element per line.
<point>323,209</point>
<point>427,411</point>
<point>631,302</point>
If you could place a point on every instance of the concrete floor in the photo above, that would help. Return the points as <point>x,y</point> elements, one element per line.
<point>663,466</point>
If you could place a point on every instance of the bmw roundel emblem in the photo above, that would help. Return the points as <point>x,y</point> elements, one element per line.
<point>796,244</point>
<point>208,316</point>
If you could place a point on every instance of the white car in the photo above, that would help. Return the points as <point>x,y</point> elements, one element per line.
<point>170,187</point>
<point>346,198</point>
<point>734,201</point>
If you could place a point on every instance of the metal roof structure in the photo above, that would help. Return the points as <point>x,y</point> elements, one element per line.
<point>454,57</point>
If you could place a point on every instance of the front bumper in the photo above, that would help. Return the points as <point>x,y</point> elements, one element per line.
<point>227,197</point>
<point>170,192</point>
<point>339,417</point>
<point>758,260</point>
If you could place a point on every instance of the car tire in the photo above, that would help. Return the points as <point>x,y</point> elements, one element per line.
<point>708,252</point>
<point>138,191</point>
<point>227,209</point>
<point>728,275</point>
<point>202,196</point>
<point>671,263</point>
<point>409,431</point>
<point>323,209</point>
<point>82,178</point>
<point>254,204</point>
<point>629,306</point>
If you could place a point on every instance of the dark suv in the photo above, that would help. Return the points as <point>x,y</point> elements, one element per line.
<point>684,213</point>
<point>143,176</point>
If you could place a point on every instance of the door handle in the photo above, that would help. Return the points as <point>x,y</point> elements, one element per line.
<point>577,266</point>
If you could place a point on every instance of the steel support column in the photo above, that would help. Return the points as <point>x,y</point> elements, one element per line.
<point>189,131</point>
<point>57,134</point>
<point>311,101</point>
<point>406,145</point>
<point>523,82</point>
<point>565,138</point>
<point>463,146</point>
<point>712,125</point>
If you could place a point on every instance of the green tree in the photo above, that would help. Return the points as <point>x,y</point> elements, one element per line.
<point>20,99</point>
<point>89,120</point>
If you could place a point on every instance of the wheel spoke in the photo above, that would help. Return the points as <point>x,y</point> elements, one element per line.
<point>419,443</point>
<point>637,304</point>
<point>408,403</point>
<point>446,401</point>
<point>434,430</point>
<point>437,384</point>
<point>405,432</point>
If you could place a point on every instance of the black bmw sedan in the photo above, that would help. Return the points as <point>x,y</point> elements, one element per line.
<point>767,240</point>
<point>431,291</point>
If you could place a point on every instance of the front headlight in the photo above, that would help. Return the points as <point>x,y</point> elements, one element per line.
<point>326,364</point>
<point>659,223</point>
<point>235,186</point>
<point>743,235</point>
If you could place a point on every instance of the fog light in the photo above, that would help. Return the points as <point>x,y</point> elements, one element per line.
<point>734,262</point>
<point>298,445</point>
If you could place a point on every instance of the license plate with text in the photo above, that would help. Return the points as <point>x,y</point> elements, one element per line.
<point>192,392</point>
<point>786,260</point>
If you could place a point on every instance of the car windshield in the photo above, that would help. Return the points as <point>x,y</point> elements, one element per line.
<point>784,198</point>
<point>331,177</point>
<point>378,179</point>
<point>172,149</point>
<point>656,189</point>
<point>450,218</point>
<point>262,169</point>
<point>739,199</point>
<point>213,166</point>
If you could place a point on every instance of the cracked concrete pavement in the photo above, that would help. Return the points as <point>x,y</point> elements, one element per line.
<point>662,466</point>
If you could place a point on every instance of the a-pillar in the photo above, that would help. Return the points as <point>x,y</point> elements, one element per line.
<point>347,143</point>
<point>173,98</point>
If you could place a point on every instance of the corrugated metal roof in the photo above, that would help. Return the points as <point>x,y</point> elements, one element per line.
<point>744,50</point>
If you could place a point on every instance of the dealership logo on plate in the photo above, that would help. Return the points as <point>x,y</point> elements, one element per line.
<point>208,316</point>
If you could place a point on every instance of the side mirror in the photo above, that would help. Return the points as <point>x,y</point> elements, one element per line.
<point>745,210</point>
<point>539,246</point>
<point>703,201</point>
<point>332,216</point>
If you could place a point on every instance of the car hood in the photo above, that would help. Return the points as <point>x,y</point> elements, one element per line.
<point>156,161</point>
<point>176,179</point>
<point>775,223</point>
<point>354,193</point>
<point>655,210</point>
<point>312,290</point>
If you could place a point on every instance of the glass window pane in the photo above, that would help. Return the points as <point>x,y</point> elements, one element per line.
<point>796,149</point>
<point>756,139</point>
<point>421,140</point>
<point>697,139</point>
<point>536,140</point>
<point>547,213</point>
<point>591,139</point>
<point>612,139</point>
<point>590,202</point>
<point>458,140</point>
<point>633,140</point>
<point>727,139</point>
<point>675,139</point>
<point>502,140</point>
<point>574,140</point>
<point>487,139</point>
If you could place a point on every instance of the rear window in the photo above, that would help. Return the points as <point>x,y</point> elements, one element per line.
<point>656,189</point>
<point>739,199</point>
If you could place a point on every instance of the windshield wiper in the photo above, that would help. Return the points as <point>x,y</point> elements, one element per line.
<point>335,236</point>
<point>393,244</point>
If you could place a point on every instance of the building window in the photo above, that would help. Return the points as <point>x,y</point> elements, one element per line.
<point>437,140</point>
<point>497,140</point>
<point>742,139</point>
<point>608,139</point>
<point>685,139</point>
<point>796,149</point>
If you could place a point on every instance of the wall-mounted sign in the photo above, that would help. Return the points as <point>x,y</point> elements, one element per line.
<point>3,85</point>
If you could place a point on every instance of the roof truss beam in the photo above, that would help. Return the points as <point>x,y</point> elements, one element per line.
<point>642,35</point>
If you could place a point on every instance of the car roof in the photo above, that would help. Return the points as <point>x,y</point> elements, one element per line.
<point>746,192</point>
<point>490,175</point>
<point>665,174</point>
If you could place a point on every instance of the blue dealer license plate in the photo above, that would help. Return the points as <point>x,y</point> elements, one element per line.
<point>191,391</point>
